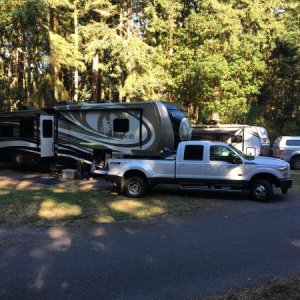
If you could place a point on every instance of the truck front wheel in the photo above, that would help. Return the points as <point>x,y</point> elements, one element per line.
<point>134,187</point>
<point>261,190</point>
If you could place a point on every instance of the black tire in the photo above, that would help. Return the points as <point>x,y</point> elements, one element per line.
<point>295,163</point>
<point>261,190</point>
<point>134,187</point>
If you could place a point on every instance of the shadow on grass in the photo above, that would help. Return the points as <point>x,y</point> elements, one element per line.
<point>26,204</point>
<point>45,200</point>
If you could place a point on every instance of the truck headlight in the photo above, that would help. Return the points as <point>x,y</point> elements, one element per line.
<point>283,171</point>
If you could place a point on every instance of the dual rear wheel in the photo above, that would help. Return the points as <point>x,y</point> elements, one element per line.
<point>134,187</point>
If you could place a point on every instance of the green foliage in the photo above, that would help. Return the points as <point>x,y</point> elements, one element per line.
<point>7,95</point>
<point>219,65</point>
<point>64,53</point>
<point>279,100</point>
<point>238,56</point>
<point>85,94</point>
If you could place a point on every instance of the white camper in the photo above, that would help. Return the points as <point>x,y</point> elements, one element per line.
<point>252,140</point>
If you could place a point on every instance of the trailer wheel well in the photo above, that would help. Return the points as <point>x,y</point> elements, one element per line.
<point>266,176</point>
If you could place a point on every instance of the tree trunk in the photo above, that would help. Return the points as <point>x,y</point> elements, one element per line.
<point>76,42</point>
<point>120,90</point>
<point>110,93</point>
<point>53,68</point>
<point>21,69</point>
<point>129,16</point>
<point>95,78</point>
<point>100,86</point>
<point>14,68</point>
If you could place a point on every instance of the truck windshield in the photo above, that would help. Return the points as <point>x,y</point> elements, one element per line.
<point>242,154</point>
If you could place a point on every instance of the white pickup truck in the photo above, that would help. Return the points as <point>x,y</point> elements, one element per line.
<point>202,165</point>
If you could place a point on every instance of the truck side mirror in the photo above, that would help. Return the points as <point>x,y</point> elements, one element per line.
<point>236,160</point>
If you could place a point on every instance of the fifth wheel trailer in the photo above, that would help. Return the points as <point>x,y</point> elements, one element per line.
<point>69,134</point>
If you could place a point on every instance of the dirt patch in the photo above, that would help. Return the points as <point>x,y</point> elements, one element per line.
<point>34,180</point>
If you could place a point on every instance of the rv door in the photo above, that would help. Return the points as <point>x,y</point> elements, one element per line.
<point>47,136</point>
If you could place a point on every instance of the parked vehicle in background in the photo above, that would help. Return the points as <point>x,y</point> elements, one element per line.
<point>288,149</point>
<point>252,140</point>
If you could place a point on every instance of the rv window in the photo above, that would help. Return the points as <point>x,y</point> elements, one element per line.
<point>27,128</point>
<point>121,125</point>
<point>236,139</point>
<point>193,152</point>
<point>47,128</point>
<point>6,131</point>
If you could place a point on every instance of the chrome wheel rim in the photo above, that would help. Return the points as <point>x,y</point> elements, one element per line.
<point>260,192</point>
<point>134,188</point>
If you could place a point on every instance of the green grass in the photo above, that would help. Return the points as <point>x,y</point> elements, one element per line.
<point>22,202</point>
<point>74,205</point>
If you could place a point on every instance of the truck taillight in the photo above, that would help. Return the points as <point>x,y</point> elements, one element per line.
<point>280,151</point>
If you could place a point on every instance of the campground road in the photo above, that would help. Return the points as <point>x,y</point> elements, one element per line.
<point>239,246</point>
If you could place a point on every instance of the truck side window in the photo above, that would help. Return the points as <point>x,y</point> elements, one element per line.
<point>220,153</point>
<point>193,152</point>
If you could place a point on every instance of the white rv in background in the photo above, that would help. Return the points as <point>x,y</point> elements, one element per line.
<point>252,140</point>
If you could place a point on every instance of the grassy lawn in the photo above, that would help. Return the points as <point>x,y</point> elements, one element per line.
<point>77,204</point>
<point>23,202</point>
<point>280,290</point>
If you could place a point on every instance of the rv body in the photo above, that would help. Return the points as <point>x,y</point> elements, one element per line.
<point>26,136</point>
<point>251,140</point>
<point>70,134</point>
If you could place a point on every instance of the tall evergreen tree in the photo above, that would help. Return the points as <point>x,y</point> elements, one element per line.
<point>220,60</point>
